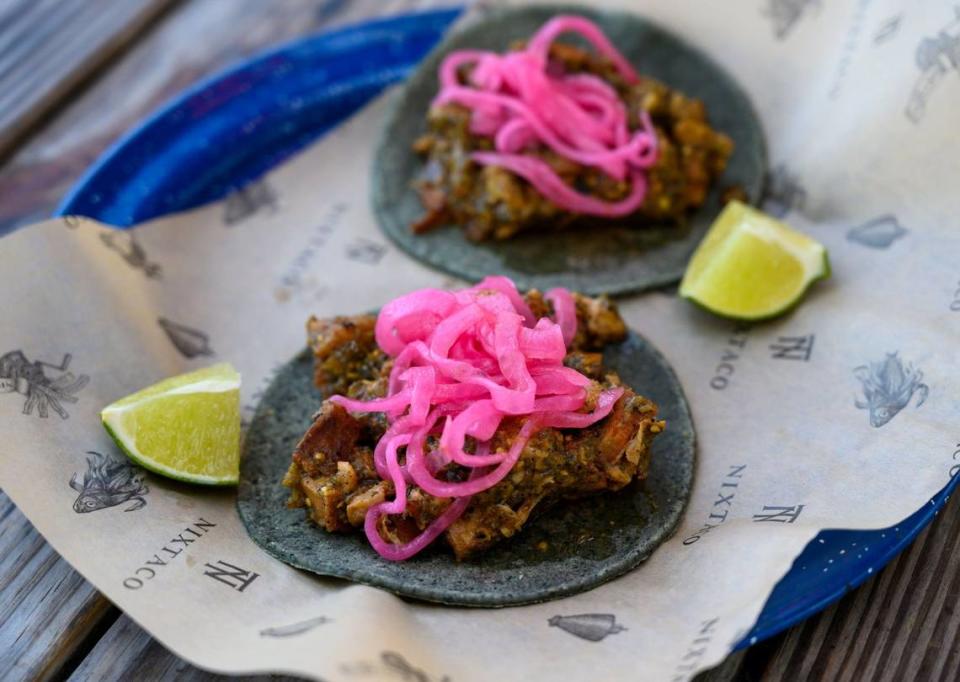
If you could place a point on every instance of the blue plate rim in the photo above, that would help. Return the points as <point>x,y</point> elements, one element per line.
<point>915,524</point>
<point>764,628</point>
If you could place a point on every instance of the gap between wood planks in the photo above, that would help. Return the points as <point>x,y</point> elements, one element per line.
<point>57,47</point>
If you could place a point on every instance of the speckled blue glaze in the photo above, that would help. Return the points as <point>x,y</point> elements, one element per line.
<point>835,562</point>
<point>229,129</point>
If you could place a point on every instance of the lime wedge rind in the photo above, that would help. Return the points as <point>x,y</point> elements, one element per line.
<point>752,267</point>
<point>763,316</point>
<point>165,471</point>
<point>185,428</point>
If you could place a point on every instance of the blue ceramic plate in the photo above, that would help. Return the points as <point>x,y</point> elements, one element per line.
<point>231,128</point>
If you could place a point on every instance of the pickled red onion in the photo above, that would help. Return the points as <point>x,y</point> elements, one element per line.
<point>521,99</point>
<point>540,43</point>
<point>464,362</point>
<point>566,313</point>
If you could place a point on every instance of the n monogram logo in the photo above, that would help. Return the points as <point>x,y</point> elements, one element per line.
<point>230,575</point>
<point>793,347</point>
<point>778,514</point>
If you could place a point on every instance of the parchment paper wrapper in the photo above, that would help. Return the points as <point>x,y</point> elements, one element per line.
<point>859,101</point>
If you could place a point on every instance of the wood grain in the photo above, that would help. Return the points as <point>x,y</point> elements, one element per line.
<point>47,610</point>
<point>48,47</point>
<point>900,625</point>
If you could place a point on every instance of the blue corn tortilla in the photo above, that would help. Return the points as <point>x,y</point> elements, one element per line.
<point>569,549</point>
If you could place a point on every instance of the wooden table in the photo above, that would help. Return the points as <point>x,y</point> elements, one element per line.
<point>74,75</point>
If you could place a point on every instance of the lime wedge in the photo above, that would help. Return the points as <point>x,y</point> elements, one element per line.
<point>186,427</point>
<point>751,266</point>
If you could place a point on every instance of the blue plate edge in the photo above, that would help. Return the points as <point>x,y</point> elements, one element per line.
<point>918,521</point>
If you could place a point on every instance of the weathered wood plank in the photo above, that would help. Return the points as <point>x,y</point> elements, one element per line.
<point>48,47</point>
<point>193,41</point>
<point>901,625</point>
<point>47,610</point>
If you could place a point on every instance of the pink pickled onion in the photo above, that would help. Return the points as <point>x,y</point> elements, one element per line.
<point>520,99</point>
<point>565,310</point>
<point>464,362</point>
<point>540,43</point>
